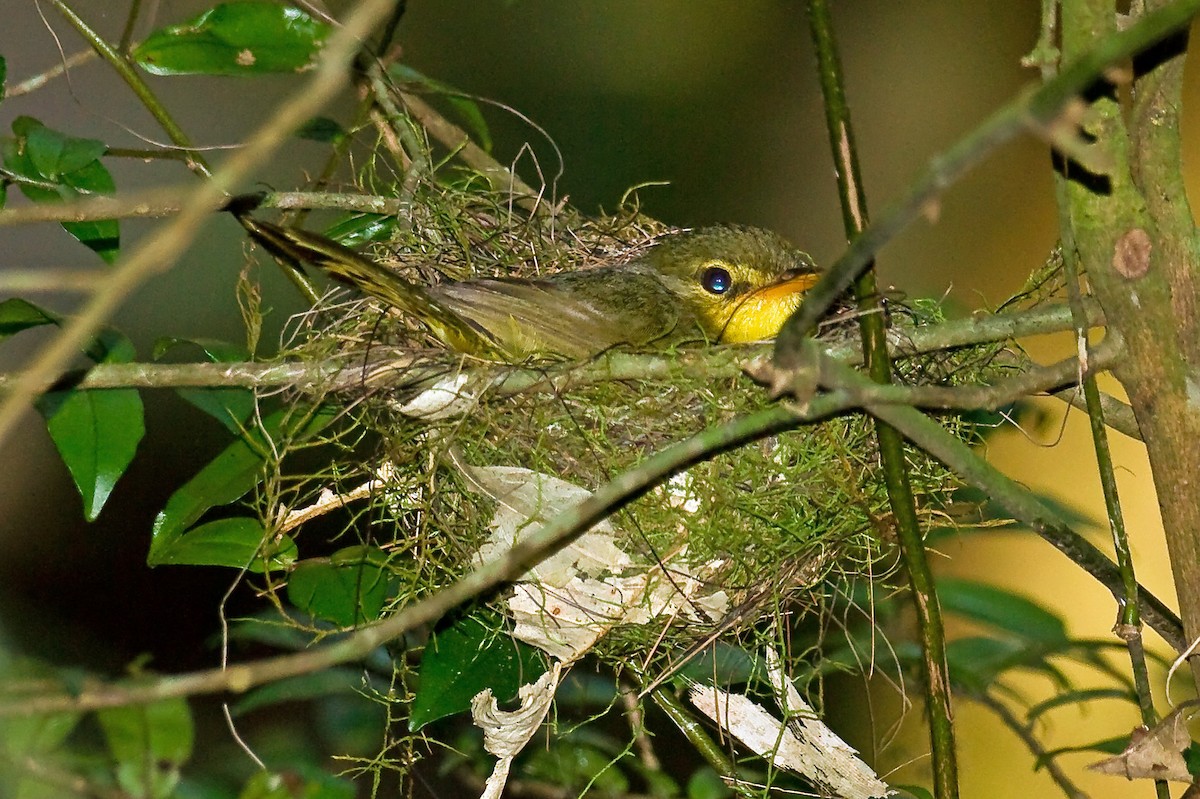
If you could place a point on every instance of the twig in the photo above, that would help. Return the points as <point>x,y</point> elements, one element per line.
<point>556,534</point>
<point>35,82</point>
<point>926,605</point>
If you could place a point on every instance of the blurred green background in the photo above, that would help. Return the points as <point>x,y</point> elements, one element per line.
<point>716,100</point>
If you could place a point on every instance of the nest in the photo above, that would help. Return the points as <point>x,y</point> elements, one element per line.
<point>713,549</point>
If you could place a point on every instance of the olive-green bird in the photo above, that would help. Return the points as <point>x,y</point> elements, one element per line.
<point>722,284</point>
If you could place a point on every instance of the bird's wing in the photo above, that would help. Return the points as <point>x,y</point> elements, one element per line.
<point>546,317</point>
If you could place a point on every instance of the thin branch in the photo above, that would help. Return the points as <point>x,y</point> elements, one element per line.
<point>403,369</point>
<point>926,605</point>
<point>35,82</point>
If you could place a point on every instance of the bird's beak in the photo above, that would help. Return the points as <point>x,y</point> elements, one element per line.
<point>784,290</point>
<point>761,314</point>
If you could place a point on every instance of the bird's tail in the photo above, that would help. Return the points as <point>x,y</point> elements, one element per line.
<point>296,247</point>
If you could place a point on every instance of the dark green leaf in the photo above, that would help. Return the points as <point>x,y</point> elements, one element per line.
<point>228,477</point>
<point>1003,609</point>
<point>96,431</point>
<point>914,791</point>
<point>361,229</point>
<point>17,315</point>
<point>3,77</point>
<point>161,731</point>
<point>347,589</point>
<point>577,765</point>
<point>56,154</point>
<point>59,167</point>
<point>1107,746</point>
<point>1191,756</point>
<point>976,662</point>
<point>235,38</point>
<point>321,129</point>
<point>464,659</point>
<point>232,407</point>
<point>705,783</point>
<point>238,542</point>
<point>1078,698</point>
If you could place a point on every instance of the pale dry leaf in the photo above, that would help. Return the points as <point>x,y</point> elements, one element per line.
<point>808,748</point>
<point>1155,754</point>
<point>505,733</point>
<point>569,600</point>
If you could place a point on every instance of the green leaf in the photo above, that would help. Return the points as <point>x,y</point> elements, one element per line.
<point>322,129</point>
<point>360,229</point>
<point>55,154</point>
<point>348,589</point>
<point>3,77</point>
<point>465,658</point>
<point>235,38</point>
<point>232,407</point>
<point>228,477</point>
<point>17,315</point>
<point>58,167</point>
<point>1078,698</point>
<point>238,542</point>
<point>159,731</point>
<point>976,662</point>
<point>1002,609</point>
<point>149,744</point>
<point>1107,746</point>
<point>705,783</point>
<point>96,431</point>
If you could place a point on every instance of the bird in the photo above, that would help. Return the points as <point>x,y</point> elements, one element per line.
<point>721,284</point>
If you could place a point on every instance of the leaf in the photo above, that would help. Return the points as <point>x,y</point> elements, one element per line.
<point>322,129</point>
<point>96,431</point>
<point>58,167</point>
<point>464,659</point>
<point>1078,698</point>
<point>1002,609</point>
<point>238,542</point>
<point>348,589</point>
<point>235,38</point>
<point>976,662</point>
<point>159,731</point>
<point>3,77</point>
<point>361,229</point>
<point>232,407</point>
<point>228,477</point>
<point>17,315</point>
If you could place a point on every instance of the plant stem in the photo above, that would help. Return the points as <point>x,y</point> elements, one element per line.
<point>891,446</point>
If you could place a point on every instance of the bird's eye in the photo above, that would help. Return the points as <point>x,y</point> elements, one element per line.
<point>716,280</point>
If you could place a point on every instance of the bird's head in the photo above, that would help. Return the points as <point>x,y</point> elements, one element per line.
<point>740,283</point>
